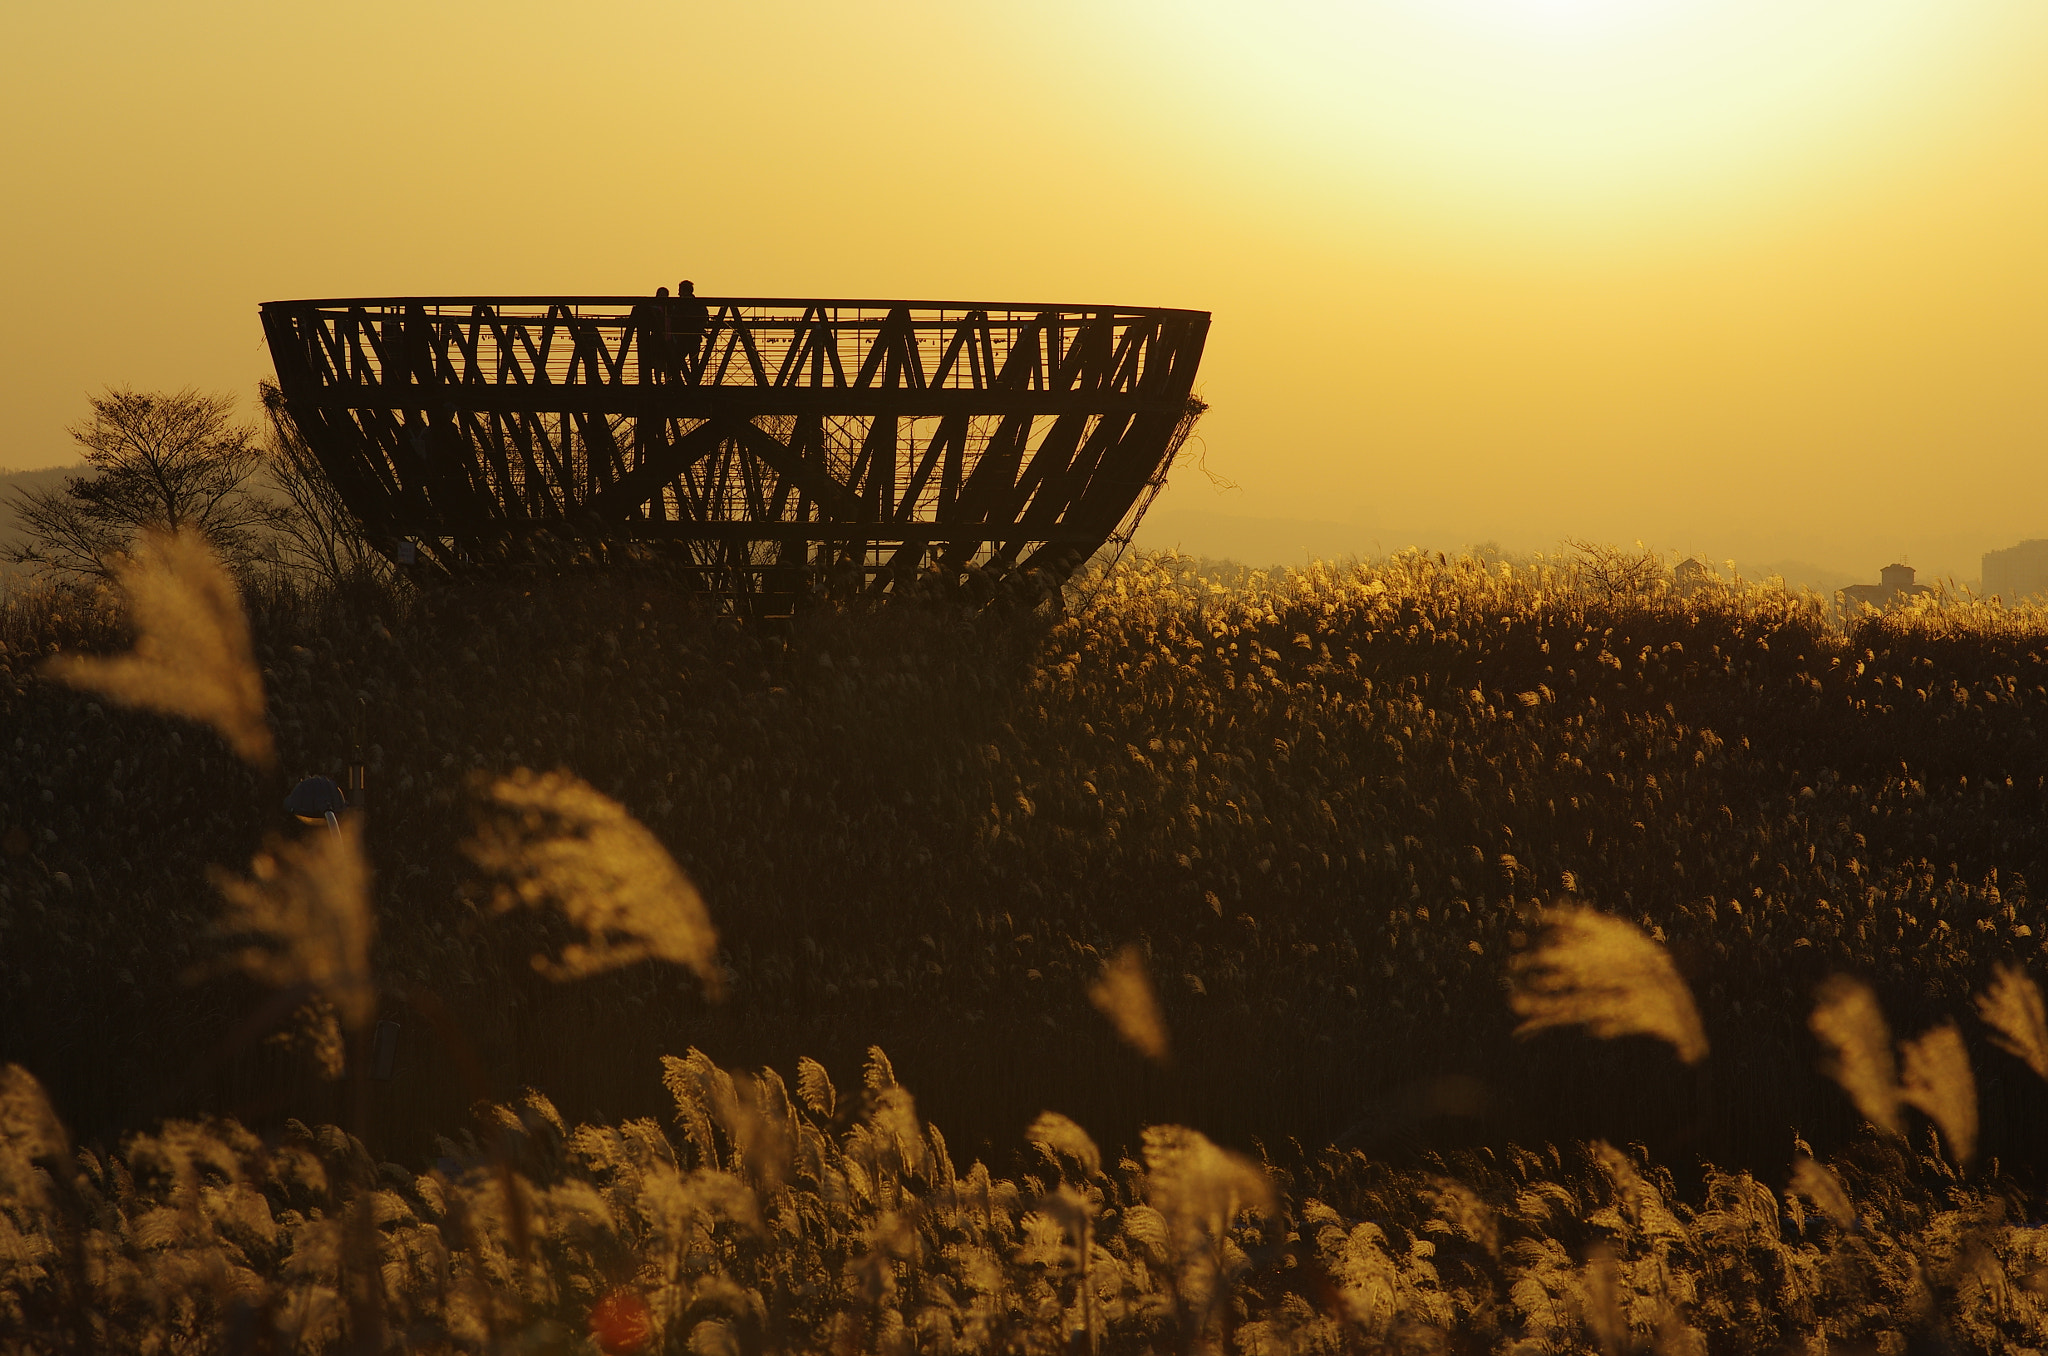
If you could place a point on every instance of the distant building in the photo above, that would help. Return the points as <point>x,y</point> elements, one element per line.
<point>1689,576</point>
<point>1894,585</point>
<point>2016,572</point>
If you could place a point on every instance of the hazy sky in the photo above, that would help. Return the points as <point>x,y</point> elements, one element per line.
<point>1762,278</point>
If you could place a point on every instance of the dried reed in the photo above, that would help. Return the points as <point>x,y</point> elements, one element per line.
<point>1199,1186</point>
<point>1935,1077</point>
<point>1600,1302</point>
<point>306,904</point>
<point>2013,1009</point>
<point>1858,1045</point>
<point>557,843</point>
<point>1055,1134</point>
<point>192,655</point>
<point>1198,1189</point>
<point>1819,1184</point>
<point>1594,970</point>
<point>814,1085</point>
<point>1124,995</point>
<point>29,1131</point>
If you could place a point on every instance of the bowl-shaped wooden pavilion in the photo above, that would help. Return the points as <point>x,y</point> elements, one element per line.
<point>761,446</point>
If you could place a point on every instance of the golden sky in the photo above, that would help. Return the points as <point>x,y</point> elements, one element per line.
<point>1755,278</point>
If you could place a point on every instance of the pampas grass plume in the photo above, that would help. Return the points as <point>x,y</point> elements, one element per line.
<point>1604,973</point>
<point>1600,1301</point>
<point>1124,995</point>
<point>1935,1077</point>
<point>192,655</point>
<point>306,904</point>
<point>814,1085</point>
<point>1858,1046</point>
<point>2012,1008</point>
<point>1198,1185</point>
<point>1820,1185</point>
<point>557,843</point>
<point>29,1131</point>
<point>1056,1134</point>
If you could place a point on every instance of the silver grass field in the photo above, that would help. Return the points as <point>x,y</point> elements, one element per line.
<point>1529,967</point>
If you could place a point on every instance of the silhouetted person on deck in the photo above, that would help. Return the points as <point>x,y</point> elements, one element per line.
<point>650,322</point>
<point>688,319</point>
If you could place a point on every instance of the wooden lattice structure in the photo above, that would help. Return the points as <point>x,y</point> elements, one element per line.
<point>761,446</point>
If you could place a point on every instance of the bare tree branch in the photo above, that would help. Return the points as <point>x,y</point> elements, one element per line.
<point>164,462</point>
<point>318,535</point>
<point>1613,574</point>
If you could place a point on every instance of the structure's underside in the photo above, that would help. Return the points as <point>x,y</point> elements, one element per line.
<point>760,446</point>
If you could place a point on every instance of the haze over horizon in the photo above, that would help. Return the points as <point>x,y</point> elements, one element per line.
<point>1738,279</point>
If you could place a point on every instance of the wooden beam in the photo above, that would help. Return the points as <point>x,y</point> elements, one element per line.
<point>638,485</point>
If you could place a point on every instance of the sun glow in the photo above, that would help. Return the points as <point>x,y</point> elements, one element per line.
<point>1548,19</point>
<point>1580,104</point>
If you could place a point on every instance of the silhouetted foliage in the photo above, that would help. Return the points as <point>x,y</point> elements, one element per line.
<point>1320,825</point>
<point>163,461</point>
<point>319,537</point>
<point>1617,575</point>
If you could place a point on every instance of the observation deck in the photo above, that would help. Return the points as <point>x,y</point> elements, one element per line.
<point>758,445</point>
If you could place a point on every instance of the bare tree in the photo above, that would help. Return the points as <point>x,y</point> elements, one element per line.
<point>318,535</point>
<point>1611,573</point>
<point>163,461</point>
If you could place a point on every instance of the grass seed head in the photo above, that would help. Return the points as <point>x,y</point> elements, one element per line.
<point>1055,1134</point>
<point>1199,1186</point>
<point>1124,995</point>
<point>814,1086</point>
<point>1858,1045</point>
<point>2012,1008</point>
<point>1935,1077</point>
<point>306,906</point>
<point>192,654</point>
<point>556,843</point>
<point>1820,1185</point>
<point>29,1131</point>
<point>1594,970</point>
